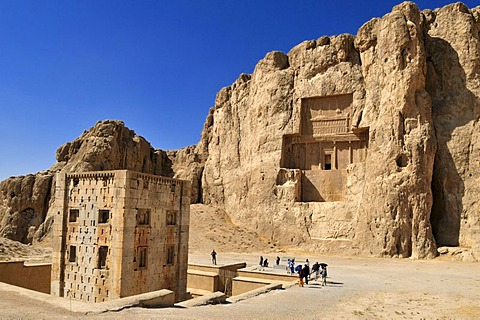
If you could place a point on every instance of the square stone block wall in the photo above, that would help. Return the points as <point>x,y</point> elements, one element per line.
<point>118,233</point>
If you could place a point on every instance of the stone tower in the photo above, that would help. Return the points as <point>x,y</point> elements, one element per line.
<point>119,233</point>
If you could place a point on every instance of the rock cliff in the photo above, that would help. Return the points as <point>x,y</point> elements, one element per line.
<point>453,83</point>
<point>413,79</point>
<point>109,145</point>
<point>24,205</point>
<point>365,144</point>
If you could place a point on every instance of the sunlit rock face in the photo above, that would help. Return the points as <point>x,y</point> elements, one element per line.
<point>361,144</point>
<point>109,145</point>
<point>24,205</point>
<point>453,83</point>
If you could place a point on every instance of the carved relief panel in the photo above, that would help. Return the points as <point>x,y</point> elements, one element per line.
<point>324,147</point>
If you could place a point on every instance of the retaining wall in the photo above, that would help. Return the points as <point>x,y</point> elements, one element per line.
<point>32,276</point>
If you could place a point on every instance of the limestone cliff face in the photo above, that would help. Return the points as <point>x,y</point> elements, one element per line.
<point>187,164</point>
<point>453,82</point>
<point>394,212</point>
<point>251,117</point>
<point>413,81</point>
<point>24,205</point>
<point>109,145</point>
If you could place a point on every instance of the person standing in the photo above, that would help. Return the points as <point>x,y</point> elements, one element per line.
<point>300,275</point>
<point>277,261</point>
<point>306,273</point>
<point>214,257</point>
<point>323,273</point>
<point>316,269</point>
<point>261,261</point>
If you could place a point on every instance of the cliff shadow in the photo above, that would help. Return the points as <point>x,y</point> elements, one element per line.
<point>453,106</point>
<point>310,192</point>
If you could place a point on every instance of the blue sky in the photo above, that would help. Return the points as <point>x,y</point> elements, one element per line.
<point>156,65</point>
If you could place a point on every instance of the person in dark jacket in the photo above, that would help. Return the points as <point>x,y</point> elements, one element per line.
<point>214,257</point>
<point>306,273</point>
<point>316,270</point>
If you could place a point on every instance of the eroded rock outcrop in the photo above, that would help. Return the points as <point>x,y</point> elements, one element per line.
<point>394,213</point>
<point>109,145</point>
<point>187,164</point>
<point>24,205</point>
<point>453,82</point>
<point>412,81</point>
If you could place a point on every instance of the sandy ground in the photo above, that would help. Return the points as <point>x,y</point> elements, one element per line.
<point>357,288</point>
<point>15,251</point>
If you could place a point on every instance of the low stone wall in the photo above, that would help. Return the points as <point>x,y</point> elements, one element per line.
<point>220,277</point>
<point>33,276</point>
<point>229,279</point>
<point>245,284</point>
<point>255,292</point>
<point>270,277</point>
<point>202,280</point>
<point>233,279</point>
<point>216,268</point>
<point>158,299</point>
<point>210,298</point>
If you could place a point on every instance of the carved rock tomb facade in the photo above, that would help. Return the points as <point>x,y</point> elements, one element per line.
<point>324,148</point>
<point>318,167</point>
